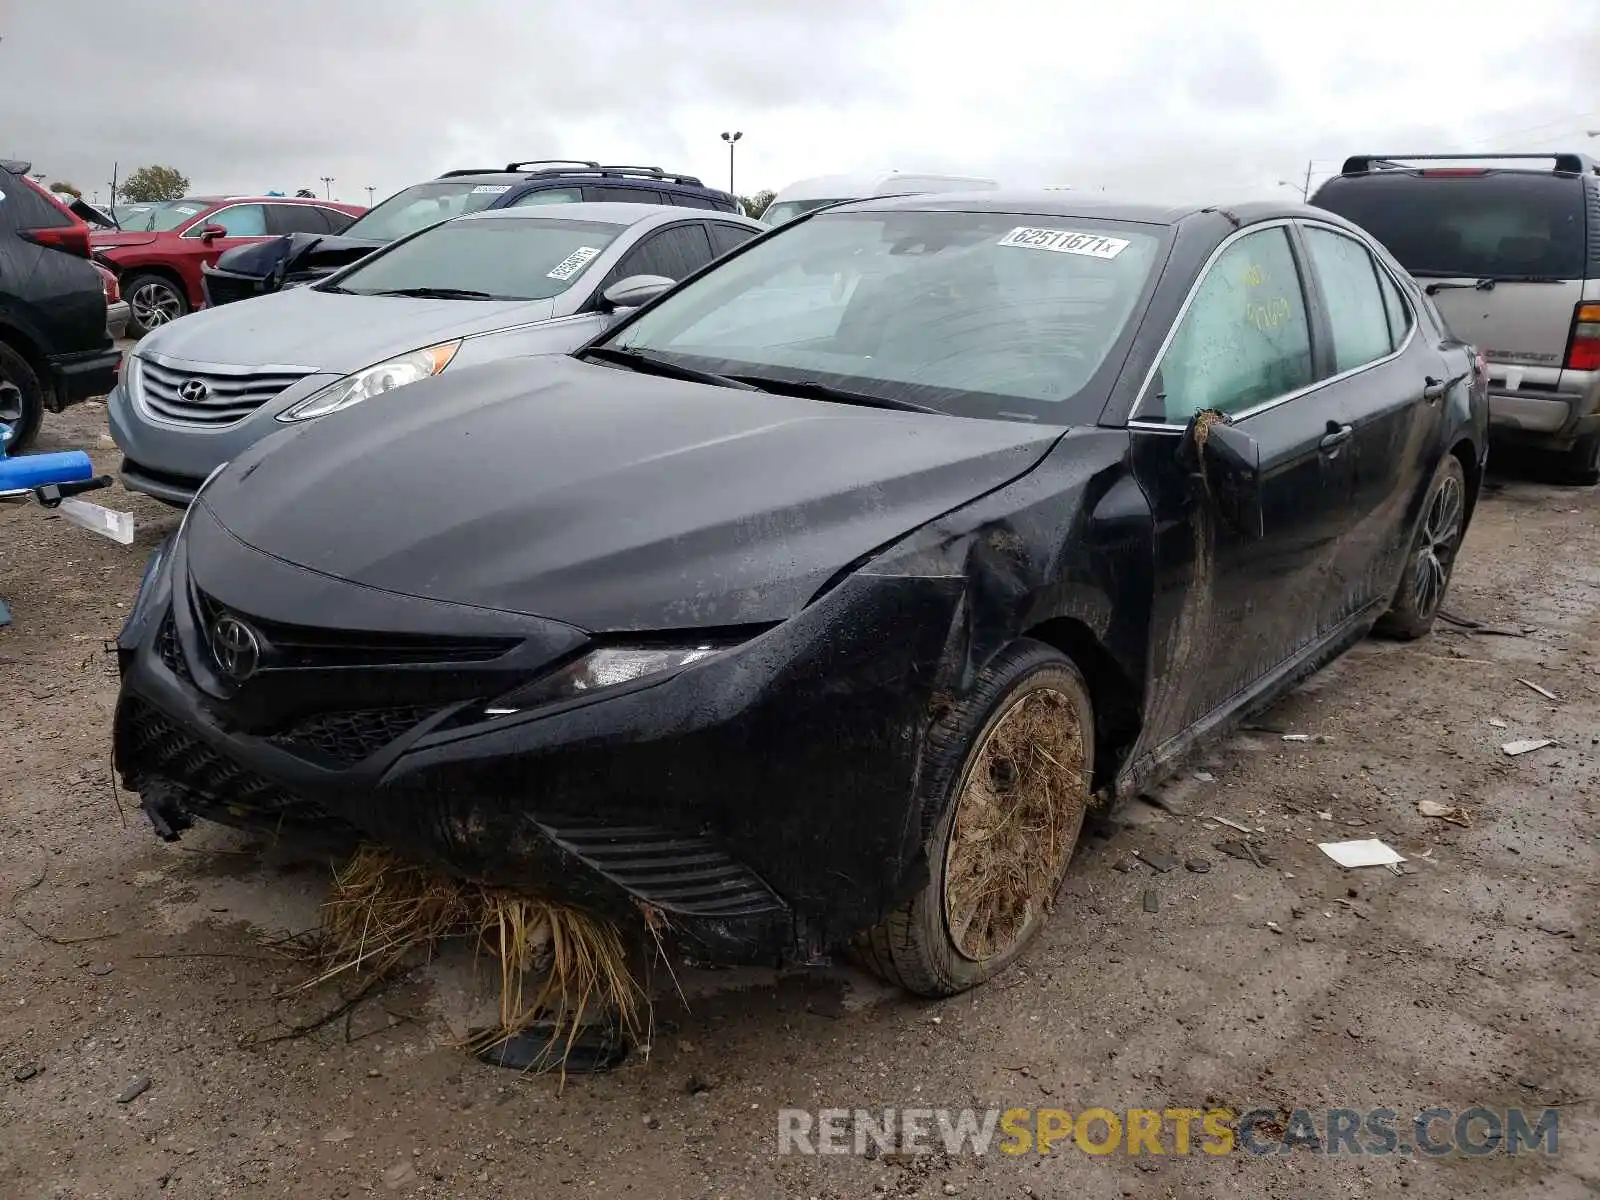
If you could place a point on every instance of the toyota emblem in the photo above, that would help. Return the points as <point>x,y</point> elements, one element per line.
<point>235,647</point>
<point>193,391</point>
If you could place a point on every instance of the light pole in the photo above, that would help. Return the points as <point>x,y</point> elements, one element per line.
<point>370,190</point>
<point>1288,184</point>
<point>327,187</point>
<point>731,138</point>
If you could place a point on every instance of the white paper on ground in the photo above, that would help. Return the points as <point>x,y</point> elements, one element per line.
<point>118,526</point>
<point>1368,852</point>
<point>1527,745</point>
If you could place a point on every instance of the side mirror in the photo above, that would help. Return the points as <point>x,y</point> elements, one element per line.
<point>1227,464</point>
<point>210,233</point>
<point>635,290</point>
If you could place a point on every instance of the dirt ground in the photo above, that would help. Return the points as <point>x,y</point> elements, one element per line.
<point>1472,979</point>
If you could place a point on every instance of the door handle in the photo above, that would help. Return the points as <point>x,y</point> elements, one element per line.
<point>1336,436</point>
<point>1433,389</point>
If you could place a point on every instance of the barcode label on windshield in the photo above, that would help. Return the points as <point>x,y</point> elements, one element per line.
<point>491,189</point>
<point>572,263</point>
<point>1065,241</point>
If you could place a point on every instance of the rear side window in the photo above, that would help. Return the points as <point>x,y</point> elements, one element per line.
<point>337,221</point>
<point>1499,225</point>
<point>690,200</point>
<point>296,218</point>
<point>1349,280</point>
<point>1395,309</point>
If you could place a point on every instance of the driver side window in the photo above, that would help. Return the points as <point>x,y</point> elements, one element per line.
<point>241,220</point>
<point>1244,340</point>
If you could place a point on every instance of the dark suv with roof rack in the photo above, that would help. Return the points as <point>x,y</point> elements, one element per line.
<point>302,258</point>
<point>1510,253</point>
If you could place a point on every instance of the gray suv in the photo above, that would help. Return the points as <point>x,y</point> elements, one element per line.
<point>1510,253</point>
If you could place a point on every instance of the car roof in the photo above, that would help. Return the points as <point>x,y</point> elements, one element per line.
<point>1093,205</point>
<point>613,212</point>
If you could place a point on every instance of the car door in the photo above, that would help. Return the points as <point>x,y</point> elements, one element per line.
<point>1232,605</point>
<point>1392,385</point>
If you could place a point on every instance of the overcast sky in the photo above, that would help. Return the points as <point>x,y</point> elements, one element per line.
<point>1181,98</point>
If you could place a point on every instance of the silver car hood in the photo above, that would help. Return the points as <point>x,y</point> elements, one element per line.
<point>328,332</point>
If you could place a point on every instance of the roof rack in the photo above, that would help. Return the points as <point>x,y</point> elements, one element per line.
<point>553,162</point>
<point>1570,164</point>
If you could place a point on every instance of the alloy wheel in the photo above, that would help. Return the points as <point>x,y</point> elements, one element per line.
<point>1436,552</point>
<point>154,303</point>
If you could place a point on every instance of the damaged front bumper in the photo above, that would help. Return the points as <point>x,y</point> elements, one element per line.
<point>757,803</point>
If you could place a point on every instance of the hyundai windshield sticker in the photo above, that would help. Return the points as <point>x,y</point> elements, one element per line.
<point>573,263</point>
<point>1065,241</point>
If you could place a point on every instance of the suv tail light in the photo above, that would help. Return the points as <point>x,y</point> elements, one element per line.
<point>74,239</point>
<point>1583,353</point>
<point>108,281</point>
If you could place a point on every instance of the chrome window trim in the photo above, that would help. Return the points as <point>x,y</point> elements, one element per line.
<point>1147,423</point>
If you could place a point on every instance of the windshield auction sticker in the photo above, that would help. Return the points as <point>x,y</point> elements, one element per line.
<point>491,189</point>
<point>1065,241</point>
<point>572,263</point>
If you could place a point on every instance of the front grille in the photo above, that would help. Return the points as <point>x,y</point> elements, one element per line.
<point>231,394</point>
<point>151,746</point>
<point>678,872</point>
<point>305,646</point>
<point>345,738</point>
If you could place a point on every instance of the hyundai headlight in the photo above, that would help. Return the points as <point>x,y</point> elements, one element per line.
<point>597,670</point>
<point>373,381</point>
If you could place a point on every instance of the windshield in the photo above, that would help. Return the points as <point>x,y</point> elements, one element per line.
<point>976,314</point>
<point>788,210</point>
<point>1480,226</point>
<point>501,258</point>
<point>158,217</point>
<point>423,205</point>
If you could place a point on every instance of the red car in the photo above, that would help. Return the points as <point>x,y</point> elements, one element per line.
<point>158,251</point>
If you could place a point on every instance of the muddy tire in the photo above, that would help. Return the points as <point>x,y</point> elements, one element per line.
<point>1007,767</point>
<point>152,300</point>
<point>1432,555</point>
<point>22,410</point>
<point>1579,466</point>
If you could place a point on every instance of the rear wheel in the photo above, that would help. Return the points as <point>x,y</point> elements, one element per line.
<point>152,300</point>
<point>1009,767</point>
<point>1433,555</point>
<point>23,409</point>
<point>1579,466</point>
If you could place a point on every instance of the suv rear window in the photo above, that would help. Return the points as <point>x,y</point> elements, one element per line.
<point>1499,225</point>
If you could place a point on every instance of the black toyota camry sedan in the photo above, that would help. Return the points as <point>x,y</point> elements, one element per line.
<point>812,605</point>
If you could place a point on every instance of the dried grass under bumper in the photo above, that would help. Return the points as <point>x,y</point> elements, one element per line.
<point>557,964</point>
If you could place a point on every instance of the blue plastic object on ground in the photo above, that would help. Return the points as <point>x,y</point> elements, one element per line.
<point>36,470</point>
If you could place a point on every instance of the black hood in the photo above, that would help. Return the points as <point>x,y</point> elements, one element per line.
<point>609,500</point>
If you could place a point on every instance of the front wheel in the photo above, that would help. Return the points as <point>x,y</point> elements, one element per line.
<point>152,300</point>
<point>1009,768</point>
<point>21,404</point>
<point>1432,556</point>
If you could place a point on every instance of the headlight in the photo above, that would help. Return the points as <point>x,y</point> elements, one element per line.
<point>596,670</point>
<point>374,381</point>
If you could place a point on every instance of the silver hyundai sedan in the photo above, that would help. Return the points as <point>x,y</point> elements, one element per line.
<point>491,285</point>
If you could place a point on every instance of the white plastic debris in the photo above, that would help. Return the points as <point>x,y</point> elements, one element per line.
<point>1297,737</point>
<point>1205,776</point>
<point>118,526</point>
<point>1498,723</point>
<point>1527,745</point>
<point>1367,852</point>
<point>1545,692</point>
